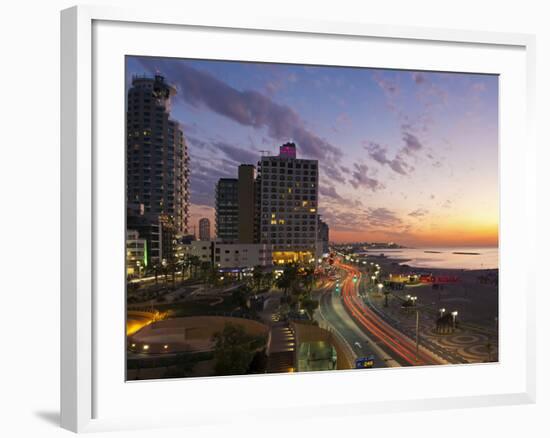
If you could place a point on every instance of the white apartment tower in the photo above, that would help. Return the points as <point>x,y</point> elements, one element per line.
<point>288,200</point>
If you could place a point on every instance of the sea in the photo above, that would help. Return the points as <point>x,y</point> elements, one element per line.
<point>445,258</point>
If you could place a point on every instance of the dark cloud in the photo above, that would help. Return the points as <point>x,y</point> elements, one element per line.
<point>237,154</point>
<point>379,154</point>
<point>248,108</point>
<point>360,179</point>
<point>330,194</point>
<point>412,144</point>
<point>344,220</point>
<point>205,173</point>
<point>382,217</point>
<point>333,172</point>
<point>419,212</point>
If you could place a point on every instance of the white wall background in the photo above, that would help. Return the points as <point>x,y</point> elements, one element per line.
<point>29,213</point>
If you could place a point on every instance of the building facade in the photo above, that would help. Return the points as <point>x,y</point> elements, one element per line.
<point>288,188</point>
<point>157,158</point>
<point>148,228</point>
<point>227,210</point>
<point>136,254</point>
<point>222,255</point>
<point>204,229</point>
<point>246,196</point>
<point>323,235</point>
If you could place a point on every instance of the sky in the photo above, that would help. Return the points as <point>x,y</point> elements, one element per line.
<point>405,156</point>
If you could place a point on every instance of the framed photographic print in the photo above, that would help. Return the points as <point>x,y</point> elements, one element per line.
<point>325,213</point>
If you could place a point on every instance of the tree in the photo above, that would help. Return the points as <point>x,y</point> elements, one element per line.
<point>194,262</point>
<point>310,305</point>
<point>233,350</point>
<point>309,278</point>
<point>288,279</point>
<point>257,278</point>
<point>239,296</point>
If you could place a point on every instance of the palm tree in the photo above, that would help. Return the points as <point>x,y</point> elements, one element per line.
<point>309,278</point>
<point>194,262</point>
<point>257,277</point>
<point>288,279</point>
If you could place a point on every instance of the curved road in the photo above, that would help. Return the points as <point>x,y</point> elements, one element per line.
<point>401,347</point>
<point>332,311</point>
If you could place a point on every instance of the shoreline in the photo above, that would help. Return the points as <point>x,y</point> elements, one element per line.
<point>402,263</point>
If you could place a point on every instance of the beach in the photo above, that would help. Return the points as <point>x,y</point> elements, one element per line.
<point>472,293</point>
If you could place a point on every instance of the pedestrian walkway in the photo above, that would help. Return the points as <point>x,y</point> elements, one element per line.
<point>281,349</point>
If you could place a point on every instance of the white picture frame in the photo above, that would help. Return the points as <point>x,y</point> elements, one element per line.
<point>82,381</point>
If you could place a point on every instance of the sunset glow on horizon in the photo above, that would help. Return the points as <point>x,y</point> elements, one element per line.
<point>404,156</point>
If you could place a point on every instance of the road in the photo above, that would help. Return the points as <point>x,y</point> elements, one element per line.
<point>333,313</point>
<point>400,347</point>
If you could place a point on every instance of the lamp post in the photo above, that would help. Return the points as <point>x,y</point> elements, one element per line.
<point>417,337</point>
<point>454,319</point>
<point>441,312</point>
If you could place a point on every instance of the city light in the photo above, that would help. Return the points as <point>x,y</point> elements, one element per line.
<point>260,291</point>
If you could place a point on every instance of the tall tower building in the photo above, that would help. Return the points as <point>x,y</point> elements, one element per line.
<point>227,209</point>
<point>157,159</point>
<point>288,204</point>
<point>204,229</point>
<point>247,205</point>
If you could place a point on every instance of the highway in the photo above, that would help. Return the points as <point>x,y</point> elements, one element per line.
<point>399,346</point>
<point>332,313</point>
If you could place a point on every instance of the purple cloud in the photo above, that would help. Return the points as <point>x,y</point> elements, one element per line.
<point>237,154</point>
<point>330,193</point>
<point>379,154</point>
<point>382,217</point>
<point>360,179</point>
<point>248,108</point>
<point>412,144</point>
<point>419,212</point>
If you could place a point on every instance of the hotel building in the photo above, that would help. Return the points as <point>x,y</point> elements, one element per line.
<point>288,201</point>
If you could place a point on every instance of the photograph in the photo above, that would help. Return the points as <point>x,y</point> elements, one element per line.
<point>285,218</point>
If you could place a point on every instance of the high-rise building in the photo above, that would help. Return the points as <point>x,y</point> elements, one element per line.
<point>288,204</point>
<point>204,229</point>
<point>323,234</point>
<point>227,210</point>
<point>246,203</point>
<point>157,159</point>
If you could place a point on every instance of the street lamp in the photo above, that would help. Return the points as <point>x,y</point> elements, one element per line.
<point>454,319</point>
<point>441,312</point>
<point>373,278</point>
<point>386,293</point>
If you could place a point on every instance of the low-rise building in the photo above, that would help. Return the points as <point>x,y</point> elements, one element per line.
<point>228,255</point>
<point>136,254</point>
